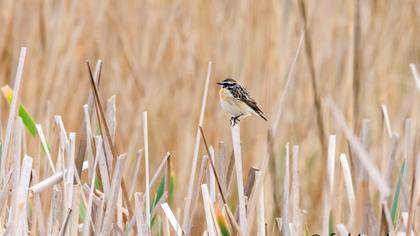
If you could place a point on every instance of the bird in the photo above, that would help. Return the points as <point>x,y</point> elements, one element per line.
<point>235,100</point>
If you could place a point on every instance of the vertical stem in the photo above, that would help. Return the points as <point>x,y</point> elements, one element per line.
<point>146,159</point>
<point>189,199</point>
<point>13,108</point>
<point>239,179</point>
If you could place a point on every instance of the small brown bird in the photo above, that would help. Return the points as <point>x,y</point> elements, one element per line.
<point>235,100</point>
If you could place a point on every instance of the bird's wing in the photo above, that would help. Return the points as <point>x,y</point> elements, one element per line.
<point>242,94</point>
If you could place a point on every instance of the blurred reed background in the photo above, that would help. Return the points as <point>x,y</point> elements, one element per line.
<point>155,58</point>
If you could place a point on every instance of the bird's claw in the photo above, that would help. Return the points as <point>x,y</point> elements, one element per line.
<point>234,120</point>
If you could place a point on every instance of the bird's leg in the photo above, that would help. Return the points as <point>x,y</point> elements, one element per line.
<point>234,120</point>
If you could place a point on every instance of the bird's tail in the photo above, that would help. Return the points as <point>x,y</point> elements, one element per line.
<point>260,114</point>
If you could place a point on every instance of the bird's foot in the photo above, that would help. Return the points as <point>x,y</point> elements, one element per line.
<point>234,120</point>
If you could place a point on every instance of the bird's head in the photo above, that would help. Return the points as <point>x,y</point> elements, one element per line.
<point>227,82</point>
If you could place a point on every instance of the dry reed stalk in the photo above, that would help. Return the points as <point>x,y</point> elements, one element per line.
<point>102,164</point>
<point>68,183</point>
<point>329,184</point>
<point>171,217</point>
<point>12,111</point>
<point>55,211</point>
<point>279,223</point>
<point>416,75</point>
<point>203,169</point>
<point>166,227</point>
<point>112,196</point>
<point>99,215</point>
<point>111,124</point>
<point>211,178</point>
<point>316,93</point>
<point>7,185</point>
<point>357,61</point>
<point>285,206</point>
<point>348,183</point>
<point>84,136</point>
<point>65,223</point>
<point>385,224</point>
<point>207,210</point>
<point>64,141</point>
<point>45,146</point>
<point>211,161</point>
<point>250,181</point>
<point>52,180</point>
<point>295,194</point>
<point>159,169</point>
<point>385,115</point>
<point>167,177</point>
<point>282,99</point>
<point>391,158</point>
<point>102,121</point>
<point>230,171</point>
<point>239,178</point>
<point>146,166</point>
<point>21,228</point>
<point>89,140</point>
<point>342,230</point>
<point>191,180</point>
<point>16,166</point>
<point>74,221</point>
<point>331,162</point>
<point>39,216</point>
<point>361,153</point>
<point>135,172</point>
<point>315,88</point>
<point>221,164</point>
<point>260,208</point>
<point>140,221</point>
<point>232,221</point>
<point>274,125</point>
<point>87,220</point>
<point>407,156</point>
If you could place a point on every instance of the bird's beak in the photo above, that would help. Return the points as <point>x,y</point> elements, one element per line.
<point>219,83</point>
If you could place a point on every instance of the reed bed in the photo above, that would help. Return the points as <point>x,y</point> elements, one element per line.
<point>138,145</point>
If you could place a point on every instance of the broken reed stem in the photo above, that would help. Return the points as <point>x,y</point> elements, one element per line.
<point>187,207</point>
<point>112,197</point>
<point>315,89</point>
<point>329,184</point>
<point>203,170</point>
<point>83,132</point>
<point>360,151</point>
<point>236,140</point>
<point>260,208</point>
<point>295,195</point>
<point>171,217</point>
<point>146,163</point>
<point>52,180</point>
<point>159,169</point>
<point>274,126</point>
<point>212,166</point>
<point>348,183</point>
<point>13,109</point>
<point>114,153</point>
<point>286,194</point>
<point>45,146</point>
<point>207,210</point>
<point>22,197</point>
<point>135,172</point>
